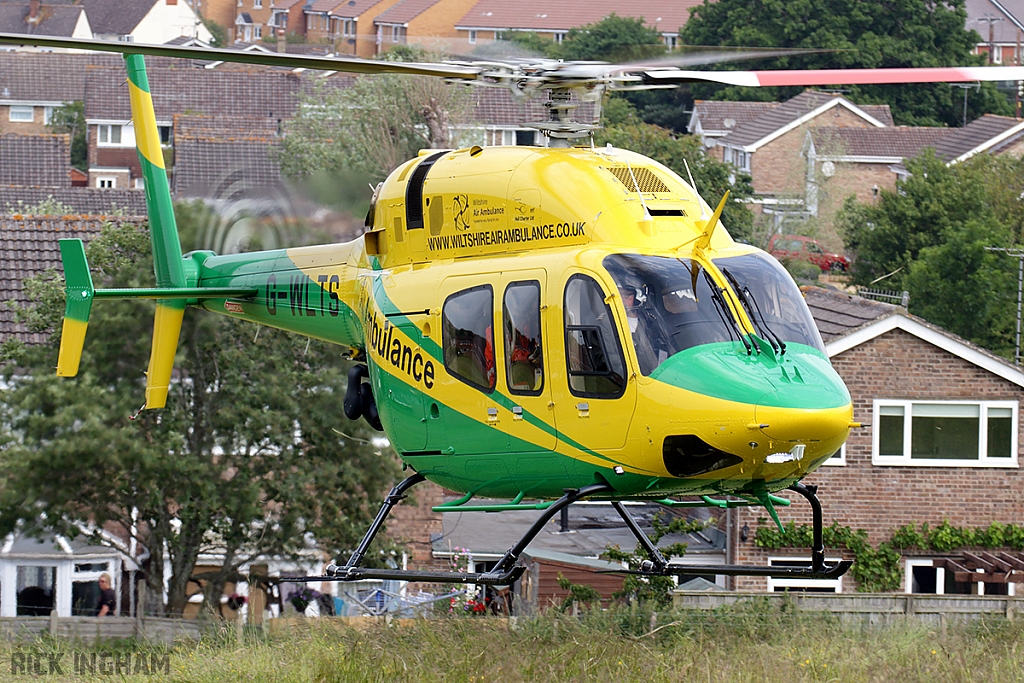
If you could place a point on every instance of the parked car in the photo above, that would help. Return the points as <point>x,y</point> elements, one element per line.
<point>800,248</point>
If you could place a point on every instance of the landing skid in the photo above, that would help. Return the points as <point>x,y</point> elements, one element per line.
<point>506,571</point>
<point>657,565</point>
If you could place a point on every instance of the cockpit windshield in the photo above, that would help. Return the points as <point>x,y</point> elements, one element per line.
<point>771,299</point>
<point>671,305</point>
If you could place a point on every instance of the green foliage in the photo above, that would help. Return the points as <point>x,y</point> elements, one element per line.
<point>69,119</point>
<point>530,42</point>
<point>248,458</point>
<point>929,237</point>
<point>652,590</point>
<point>219,33</point>
<point>879,569</point>
<point>710,175</point>
<point>613,39</point>
<point>45,207</point>
<point>858,34</point>
<point>578,593</point>
<point>374,125</point>
<point>804,272</point>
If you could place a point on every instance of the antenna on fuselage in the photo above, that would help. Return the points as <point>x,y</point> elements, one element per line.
<point>703,213</point>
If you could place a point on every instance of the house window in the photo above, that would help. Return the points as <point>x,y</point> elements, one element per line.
<point>36,590</point>
<point>802,585</point>
<point>257,4</point>
<point>22,113</point>
<point>398,34</point>
<point>85,587</point>
<point>165,134</point>
<point>558,38</point>
<point>109,134</point>
<point>472,37</point>
<point>945,433</point>
<point>467,330</point>
<point>258,31</point>
<point>838,458</point>
<point>923,578</point>
<point>47,115</point>
<point>106,182</point>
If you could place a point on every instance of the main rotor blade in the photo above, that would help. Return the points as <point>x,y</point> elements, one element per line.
<point>347,64</point>
<point>755,79</point>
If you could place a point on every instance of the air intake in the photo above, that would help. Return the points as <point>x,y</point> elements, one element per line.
<point>645,178</point>
<point>689,455</point>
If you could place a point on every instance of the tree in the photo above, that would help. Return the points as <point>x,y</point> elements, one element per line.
<point>858,34</point>
<point>219,33</point>
<point>70,120</point>
<point>374,125</point>
<point>249,458</point>
<point>928,236</point>
<point>613,39</point>
<point>711,176</point>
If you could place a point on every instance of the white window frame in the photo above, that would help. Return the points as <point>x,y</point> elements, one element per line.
<point>257,4</point>
<point>782,584</point>
<point>983,459</point>
<point>112,180</point>
<point>472,37</point>
<point>48,114</point>
<point>108,128</point>
<point>940,579</point>
<point>17,113</point>
<point>838,459</point>
<point>258,31</point>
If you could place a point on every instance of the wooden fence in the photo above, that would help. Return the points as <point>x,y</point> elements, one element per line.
<point>92,629</point>
<point>867,608</point>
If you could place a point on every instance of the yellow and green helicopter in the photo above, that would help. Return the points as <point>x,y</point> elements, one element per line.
<point>531,324</point>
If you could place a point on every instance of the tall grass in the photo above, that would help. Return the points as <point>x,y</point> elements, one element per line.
<point>752,642</point>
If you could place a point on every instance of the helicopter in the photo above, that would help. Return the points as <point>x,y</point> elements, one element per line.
<point>536,325</point>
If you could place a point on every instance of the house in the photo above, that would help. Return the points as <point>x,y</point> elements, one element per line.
<point>113,161</point>
<point>256,20</point>
<point>487,19</point>
<point>712,120</point>
<point>940,443</point>
<point>427,23</point>
<point>769,146</point>
<point>1000,24</point>
<point>60,19</point>
<point>225,157</point>
<point>990,134</point>
<point>346,25</point>
<point>144,21</point>
<point>34,84</point>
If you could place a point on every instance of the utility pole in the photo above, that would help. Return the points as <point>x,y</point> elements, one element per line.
<point>1019,255</point>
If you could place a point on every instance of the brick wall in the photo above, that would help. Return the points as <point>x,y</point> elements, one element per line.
<point>779,167</point>
<point>880,499</point>
<point>412,523</point>
<point>36,127</point>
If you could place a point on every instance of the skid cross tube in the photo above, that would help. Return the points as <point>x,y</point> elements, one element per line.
<point>658,566</point>
<point>505,572</point>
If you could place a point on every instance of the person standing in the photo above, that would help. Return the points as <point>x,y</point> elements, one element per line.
<point>108,601</point>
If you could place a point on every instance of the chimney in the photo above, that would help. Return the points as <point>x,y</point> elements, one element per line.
<point>282,44</point>
<point>33,11</point>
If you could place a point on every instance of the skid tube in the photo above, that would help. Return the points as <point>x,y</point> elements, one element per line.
<point>657,565</point>
<point>505,572</point>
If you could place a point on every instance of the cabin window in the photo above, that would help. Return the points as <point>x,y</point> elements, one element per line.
<point>945,433</point>
<point>524,358</point>
<point>468,337</point>
<point>593,354</point>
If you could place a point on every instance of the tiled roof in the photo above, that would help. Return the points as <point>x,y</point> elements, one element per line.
<point>349,9</point>
<point>35,160</point>
<point>404,11</point>
<point>57,77</point>
<point>257,92</point>
<point>27,247</point>
<point>224,157</point>
<point>81,200</point>
<point>56,20</point>
<point>837,313</point>
<point>1003,29</point>
<point>497,107</point>
<point>960,141</point>
<point>286,4</point>
<point>902,141</point>
<point>323,6</point>
<point>722,117</point>
<point>116,16</point>
<point>547,15</point>
<point>790,111</point>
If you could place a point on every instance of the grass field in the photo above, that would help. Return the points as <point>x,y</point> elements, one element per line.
<point>753,643</point>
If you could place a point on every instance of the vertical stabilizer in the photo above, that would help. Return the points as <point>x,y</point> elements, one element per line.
<point>167,262</point>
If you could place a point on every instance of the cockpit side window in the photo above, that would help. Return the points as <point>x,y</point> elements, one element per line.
<point>467,331</point>
<point>594,357</point>
<point>524,357</point>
